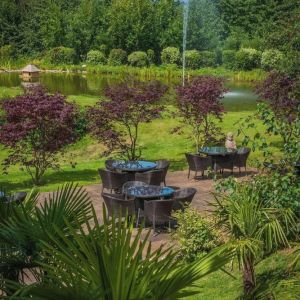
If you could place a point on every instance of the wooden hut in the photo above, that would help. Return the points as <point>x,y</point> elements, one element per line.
<point>30,71</point>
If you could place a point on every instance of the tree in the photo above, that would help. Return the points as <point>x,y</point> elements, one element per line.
<point>116,121</point>
<point>36,127</point>
<point>199,104</point>
<point>255,228</point>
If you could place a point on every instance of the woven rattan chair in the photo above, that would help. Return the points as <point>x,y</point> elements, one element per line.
<point>17,198</point>
<point>183,198</point>
<point>158,212</point>
<point>118,206</point>
<point>154,177</point>
<point>224,162</point>
<point>241,157</point>
<point>198,163</point>
<point>112,180</point>
<point>163,164</point>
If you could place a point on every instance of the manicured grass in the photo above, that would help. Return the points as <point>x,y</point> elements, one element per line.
<point>220,286</point>
<point>156,140</point>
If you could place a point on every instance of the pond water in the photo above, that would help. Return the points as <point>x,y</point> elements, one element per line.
<point>240,97</point>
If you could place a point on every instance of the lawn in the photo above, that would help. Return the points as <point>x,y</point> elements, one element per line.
<point>220,286</point>
<point>156,140</point>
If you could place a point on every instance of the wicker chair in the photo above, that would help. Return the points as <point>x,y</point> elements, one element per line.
<point>163,164</point>
<point>158,212</point>
<point>112,180</point>
<point>198,163</point>
<point>240,159</point>
<point>183,197</point>
<point>154,177</point>
<point>109,164</point>
<point>17,198</point>
<point>117,205</point>
<point>224,162</point>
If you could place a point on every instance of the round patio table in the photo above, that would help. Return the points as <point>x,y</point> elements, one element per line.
<point>149,192</point>
<point>133,166</point>
<point>216,153</point>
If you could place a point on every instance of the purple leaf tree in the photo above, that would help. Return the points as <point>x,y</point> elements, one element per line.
<point>199,104</point>
<point>115,121</point>
<point>35,127</point>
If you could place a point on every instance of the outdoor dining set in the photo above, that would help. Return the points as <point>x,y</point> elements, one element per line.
<point>138,188</point>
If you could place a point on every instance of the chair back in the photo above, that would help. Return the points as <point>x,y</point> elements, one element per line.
<point>183,198</point>
<point>158,211</point>
<point>112,180</point>
<point>190,161</point>
<point>242,156</point>
<point>109,164</point>
<point>154,177</point>
<point>197,162</point>
<point>116,205</point>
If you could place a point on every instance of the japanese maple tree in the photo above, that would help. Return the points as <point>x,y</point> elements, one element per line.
<point>199,103</point>
<point>115,121</point>
<point>35,127</point>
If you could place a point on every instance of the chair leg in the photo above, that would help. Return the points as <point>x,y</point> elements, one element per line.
<point>196,174</point>
<point>189,173</point>
<point>239,169</point>
<point>153,224</point>
<point>138,218</point>
<point>202,173</point>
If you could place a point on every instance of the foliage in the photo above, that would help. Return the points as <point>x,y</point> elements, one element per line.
<point>117,57</point>
<point>255,229</point>
<point>36,127</point>
<point>138,59</point>
<point>207,59</point>
<point>247,59</point>
<point>80,265</point>
<point>151,56</point>
<point>116,122</point>
<point>170,55</point>
<point>228,58</point>
<point>193,59</point>
<point>6,52</point>
<point>30,225</point>
<point>195,234</point>
<point>96,57</point>
<point>61,55</point>
<point>199,104</point>
<point>271,59</point>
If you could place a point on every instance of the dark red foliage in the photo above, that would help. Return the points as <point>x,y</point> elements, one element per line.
<point>278,90</point>
<point>115,121</point>
<point>35,126</point>
<point>198,101</point>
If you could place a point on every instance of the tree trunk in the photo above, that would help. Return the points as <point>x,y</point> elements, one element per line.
<point>249,276</point>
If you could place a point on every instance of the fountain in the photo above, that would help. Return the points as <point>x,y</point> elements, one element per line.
<point>185,27</point>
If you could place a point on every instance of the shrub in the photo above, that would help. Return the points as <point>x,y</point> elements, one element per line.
<point>138,59</point>
<point>170,55</point>
<point>228,58</point>
<point>151,56</point>
<point>103,48</point>
<point>61,55</point>
<point>207,59</point>
<point>195,234</point>
<point>96,57</point>
<point>271,59</point>
<point>193,59</point>
<point>6,52</point>
<point>247,59</point>
<point>117,57</point>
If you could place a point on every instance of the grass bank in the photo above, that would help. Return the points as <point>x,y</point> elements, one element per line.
<point>156,141</point>
<point>153,71</point>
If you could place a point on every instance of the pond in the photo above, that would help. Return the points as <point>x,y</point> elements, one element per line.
<point>240,97</point>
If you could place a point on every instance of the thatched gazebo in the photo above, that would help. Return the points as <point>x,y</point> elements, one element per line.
<point>30,71</point>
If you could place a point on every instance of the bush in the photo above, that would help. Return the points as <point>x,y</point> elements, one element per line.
<point>207,59</point>
<point>195,234</point>
<point>96,57</point>
<point>117,57</point>
<point>170,55</point>
<point>193,59</point>
<point>103,48</point>
<point>6,52</point>
<point>138,59</point>
<point>271,59</point>
<point>247,59</point>
<point>151,56</point>
<point>61,55</point>
<point>228,58</point>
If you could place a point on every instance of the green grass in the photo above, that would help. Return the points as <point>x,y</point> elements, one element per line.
<point>220,286</point>
<point>155,138</point>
